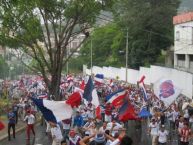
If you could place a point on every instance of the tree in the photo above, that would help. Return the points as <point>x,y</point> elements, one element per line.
<point>43,29</point>
<point>149,23</point>
<point>4,68</point>
<point>104,46</point>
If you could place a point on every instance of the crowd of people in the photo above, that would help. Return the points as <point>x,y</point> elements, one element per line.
<point>84,128</point>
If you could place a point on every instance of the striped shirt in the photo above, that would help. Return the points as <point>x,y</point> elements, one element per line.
<point>185,134</point>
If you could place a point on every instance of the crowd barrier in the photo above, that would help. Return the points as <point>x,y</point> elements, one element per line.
<point>182,80</point>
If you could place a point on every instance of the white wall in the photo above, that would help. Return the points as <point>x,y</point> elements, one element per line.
<point>182,80</point>
<point>184,45</point>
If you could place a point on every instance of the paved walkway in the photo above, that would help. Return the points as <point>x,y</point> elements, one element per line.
<point>40,138</point>
<point>19,126</point>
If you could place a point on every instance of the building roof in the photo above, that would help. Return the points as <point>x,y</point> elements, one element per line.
<point>182,18</point>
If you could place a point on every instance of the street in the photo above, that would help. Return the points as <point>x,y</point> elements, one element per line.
<point>139,136</point>
<point>40,139</point>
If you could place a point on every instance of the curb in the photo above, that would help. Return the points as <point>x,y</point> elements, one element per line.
<point>17,131</point>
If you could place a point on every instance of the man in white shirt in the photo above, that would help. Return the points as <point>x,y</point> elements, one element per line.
<point>103,128</point>
<point>56,134</point>
<point>162,136</point>
<point>114,127</point>
<point>30,119</point>
<point>154,127</point>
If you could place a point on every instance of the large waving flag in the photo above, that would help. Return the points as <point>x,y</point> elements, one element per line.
<point>117,97</point>
<point>90,95</point>
<point>166,91</point>
<point>54,111</point>
<point>127,112</point>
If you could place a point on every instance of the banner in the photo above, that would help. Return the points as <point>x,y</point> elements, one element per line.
<point>166,91</point>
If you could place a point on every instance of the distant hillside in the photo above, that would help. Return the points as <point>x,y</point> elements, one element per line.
<point>186,5</point>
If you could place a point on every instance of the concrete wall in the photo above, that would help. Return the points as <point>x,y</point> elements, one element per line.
<point>182,80</point>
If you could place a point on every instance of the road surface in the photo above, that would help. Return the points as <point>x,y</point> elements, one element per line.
<point>139,136</point>
<point>40,138</point>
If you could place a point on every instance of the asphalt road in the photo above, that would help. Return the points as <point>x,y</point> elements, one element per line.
<point>40,138</point>
<point>139,136</point>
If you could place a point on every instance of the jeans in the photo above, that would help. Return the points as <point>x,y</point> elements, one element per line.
<point>10,125</point>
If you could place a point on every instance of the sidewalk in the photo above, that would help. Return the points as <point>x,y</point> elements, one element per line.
<point>20,126</point>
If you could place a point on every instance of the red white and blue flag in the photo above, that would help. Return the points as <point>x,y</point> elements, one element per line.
<point>99,79</point>
<point>91,96</point>
<point>127,112</point>
<point>117,97</point>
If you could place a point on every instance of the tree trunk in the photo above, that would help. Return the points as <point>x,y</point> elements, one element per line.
<point>54,88</point>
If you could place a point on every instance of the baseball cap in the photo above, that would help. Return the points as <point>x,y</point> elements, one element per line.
<point>99,138</point>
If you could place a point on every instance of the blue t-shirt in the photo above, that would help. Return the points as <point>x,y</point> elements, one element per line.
<point>11,118</point>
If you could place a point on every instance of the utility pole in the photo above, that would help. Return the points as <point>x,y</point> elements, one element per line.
<point>91,56</point>
<point>126,61</point>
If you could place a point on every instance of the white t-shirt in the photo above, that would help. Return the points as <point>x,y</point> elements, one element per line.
<point>65,126</point>
<point>180,125</point>
<point>30,119</point>
<point>102,130</point>
<point>115,128</point>
<point>162,136</point>
<point>56,133</point>
<point>154,128</point>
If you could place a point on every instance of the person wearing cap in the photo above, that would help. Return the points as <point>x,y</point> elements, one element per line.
<point>30,119</point>
<point>74,138</point>
<point>56,133</point>
<point>162,136</point>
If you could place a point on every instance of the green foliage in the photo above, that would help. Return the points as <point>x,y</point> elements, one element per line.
<point>104,40</point>
<point>150,28</point>
<point>43,29</point>
<point>4,68</point>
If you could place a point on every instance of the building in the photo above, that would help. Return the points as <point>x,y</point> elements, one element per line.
<point>183,41</point>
